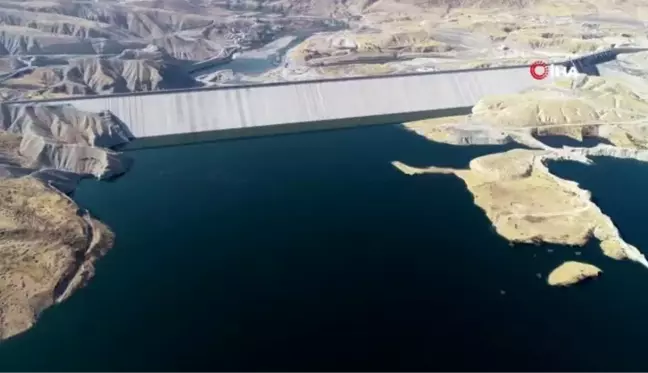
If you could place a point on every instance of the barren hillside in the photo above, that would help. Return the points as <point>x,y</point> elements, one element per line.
<point>330,38</point>
<point>79,47</point>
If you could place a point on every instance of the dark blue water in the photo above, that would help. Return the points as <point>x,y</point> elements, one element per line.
<point>310,252</point>
<point>558,141</point>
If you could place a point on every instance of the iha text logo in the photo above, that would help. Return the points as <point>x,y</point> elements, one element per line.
<point>541,70</point>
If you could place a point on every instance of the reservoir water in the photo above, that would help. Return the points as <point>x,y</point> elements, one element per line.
<point>311,252</point>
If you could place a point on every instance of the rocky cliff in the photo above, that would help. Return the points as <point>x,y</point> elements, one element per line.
<point>48,245</point>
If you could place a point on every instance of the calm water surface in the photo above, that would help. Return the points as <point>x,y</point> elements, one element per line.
<point>311,252</point>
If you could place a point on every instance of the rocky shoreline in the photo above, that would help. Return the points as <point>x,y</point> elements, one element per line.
<point>524,201</point>
<point>49,245</point>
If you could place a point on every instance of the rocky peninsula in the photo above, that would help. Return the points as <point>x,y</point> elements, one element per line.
<point>527,204</point>
<point>49,245</point>
<point>524,201</point>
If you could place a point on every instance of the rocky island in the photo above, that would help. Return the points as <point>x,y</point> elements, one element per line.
<point>570,273</point>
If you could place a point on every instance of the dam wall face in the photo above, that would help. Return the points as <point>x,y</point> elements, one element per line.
<point>264,109</point>
<point>302,104</point>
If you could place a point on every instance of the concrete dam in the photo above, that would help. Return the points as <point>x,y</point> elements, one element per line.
<point>273,108</point>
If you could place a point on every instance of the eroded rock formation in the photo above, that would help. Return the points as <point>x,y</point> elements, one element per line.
<point>48,245</point>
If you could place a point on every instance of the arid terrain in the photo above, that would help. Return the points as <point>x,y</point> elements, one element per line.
<point>87,47</point>
<point>62,47</point>
<point>48,245</point>
<point>391,37</point>
<point>65,47</point>
<point>523,200</point>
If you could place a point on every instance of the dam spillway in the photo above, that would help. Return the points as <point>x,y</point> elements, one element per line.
<point>271,108</point>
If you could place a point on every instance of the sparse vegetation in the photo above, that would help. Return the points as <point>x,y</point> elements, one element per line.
<point>40,249</point>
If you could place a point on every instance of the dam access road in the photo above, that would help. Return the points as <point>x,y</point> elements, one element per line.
<point>273,108</point>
